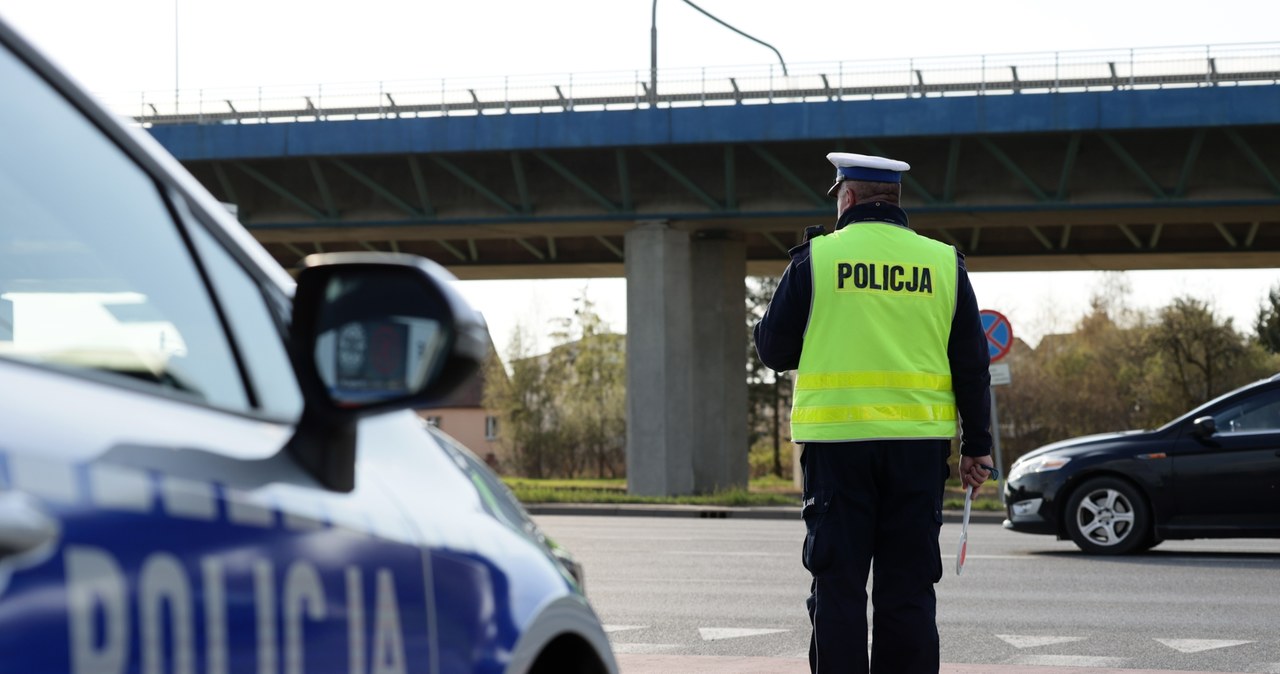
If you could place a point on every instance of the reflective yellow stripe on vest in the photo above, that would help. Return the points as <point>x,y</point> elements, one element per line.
<point>833,415</point>
<point>913,380</point>
<point>874,363</point>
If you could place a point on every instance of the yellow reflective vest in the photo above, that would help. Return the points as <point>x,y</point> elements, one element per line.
<point>874,363</point>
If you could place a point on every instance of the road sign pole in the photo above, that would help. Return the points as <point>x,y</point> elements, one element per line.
<point>995,444</point>
<point>999,333</point>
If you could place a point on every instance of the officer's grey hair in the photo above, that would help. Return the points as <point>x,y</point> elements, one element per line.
<point>864,191</point>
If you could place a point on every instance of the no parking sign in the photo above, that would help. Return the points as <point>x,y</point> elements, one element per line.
<point>999,333</point>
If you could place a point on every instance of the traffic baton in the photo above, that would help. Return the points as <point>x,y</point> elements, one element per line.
<point>964,530</point>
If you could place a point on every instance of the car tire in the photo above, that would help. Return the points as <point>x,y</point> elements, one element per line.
<point>1149,544</point>
<point>1108,516</point>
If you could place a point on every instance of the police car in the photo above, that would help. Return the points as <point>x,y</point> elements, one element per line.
<point>205,467</point>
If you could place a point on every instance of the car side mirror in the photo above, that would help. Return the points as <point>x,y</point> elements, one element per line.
<point>373,332</point>
<point>1204,427</point>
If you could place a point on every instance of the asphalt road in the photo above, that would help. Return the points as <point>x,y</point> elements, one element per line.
<point>735,587</point>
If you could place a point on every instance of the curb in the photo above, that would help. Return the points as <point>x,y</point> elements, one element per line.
<point>715,512</point>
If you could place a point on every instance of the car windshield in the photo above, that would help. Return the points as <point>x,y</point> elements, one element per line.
<point>94,272</point>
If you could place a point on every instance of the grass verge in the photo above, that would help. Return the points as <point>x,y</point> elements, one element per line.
<point>768,491</point>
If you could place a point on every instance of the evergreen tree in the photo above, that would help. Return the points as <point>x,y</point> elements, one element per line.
<point>593,395</point>
<point>564,412</point>
<point>1267,325</point>
<point>521,397</point>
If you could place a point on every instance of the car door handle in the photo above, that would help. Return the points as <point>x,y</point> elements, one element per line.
<point>23,524</point>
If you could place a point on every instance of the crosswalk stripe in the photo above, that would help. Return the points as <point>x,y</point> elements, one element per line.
<point>1019,641</point>
<point>721,553</point>
<point>643,649</point>
<point>1065,661</point>
<point>1022,641</point>
<point>1025,558</point>
<point>1199,645</point>
<point>716,633</point>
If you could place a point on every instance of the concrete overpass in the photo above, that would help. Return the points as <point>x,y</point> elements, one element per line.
<point>1124,160</point>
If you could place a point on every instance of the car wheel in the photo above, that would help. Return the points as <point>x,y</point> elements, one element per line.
<point>1108,516</point>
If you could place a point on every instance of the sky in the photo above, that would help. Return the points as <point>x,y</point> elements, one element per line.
<point>127,46</point>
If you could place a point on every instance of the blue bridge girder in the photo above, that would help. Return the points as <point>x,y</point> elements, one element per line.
<point>1023,167</point>
<point>1020,175</point>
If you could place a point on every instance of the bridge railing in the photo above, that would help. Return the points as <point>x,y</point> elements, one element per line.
<point>1005,74</point>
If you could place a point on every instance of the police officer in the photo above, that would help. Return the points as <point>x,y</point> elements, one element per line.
<point>882,327</point>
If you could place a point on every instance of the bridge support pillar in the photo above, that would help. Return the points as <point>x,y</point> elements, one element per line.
<point>719,362</point>
<point>686,390</point>
<point>659,361</point>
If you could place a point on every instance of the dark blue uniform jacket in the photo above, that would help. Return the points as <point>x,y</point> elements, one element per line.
<point>779,336</point>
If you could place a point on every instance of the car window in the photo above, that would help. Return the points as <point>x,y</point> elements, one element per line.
<point>253,326</point>
<point>94,274</point>
<point>1255,414</point>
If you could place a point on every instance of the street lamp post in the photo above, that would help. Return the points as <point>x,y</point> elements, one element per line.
<point>653,47</point>
<point>653,57</point>
<point>175,57</point>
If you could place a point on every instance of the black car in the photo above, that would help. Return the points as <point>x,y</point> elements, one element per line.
<point>1211,473</point>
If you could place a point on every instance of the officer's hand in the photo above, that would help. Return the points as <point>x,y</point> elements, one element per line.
<point>974,470</point>
<point>813,231</point>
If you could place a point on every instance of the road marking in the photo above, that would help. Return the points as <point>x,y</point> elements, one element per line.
<point>1022,557</point>
<point>712,664</point>
<point>692,580</point>
<point>643,649</point>
<point>716,633</point>
<point>1169,558</point>
<point>1065,661</point>
<point>610,629</point>
<point>704,553</point>
<point>687,539</point>
<point>1021,641</point>
<point>1226,561</point>
<point>1200,645</point>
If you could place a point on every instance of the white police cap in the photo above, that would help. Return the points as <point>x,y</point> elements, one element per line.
<point>850,166</point>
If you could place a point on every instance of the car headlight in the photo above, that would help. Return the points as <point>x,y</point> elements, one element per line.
<point>1040,464</point>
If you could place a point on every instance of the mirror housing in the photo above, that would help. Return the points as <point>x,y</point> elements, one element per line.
<point>373,332</point>
<point>1204,427</point>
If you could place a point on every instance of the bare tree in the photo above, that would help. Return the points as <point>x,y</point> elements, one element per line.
<point>1267,325</point>
<point>1201,352</point>
<point>1121,369</point>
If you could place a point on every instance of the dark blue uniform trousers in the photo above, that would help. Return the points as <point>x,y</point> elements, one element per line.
<point>874,507</point>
